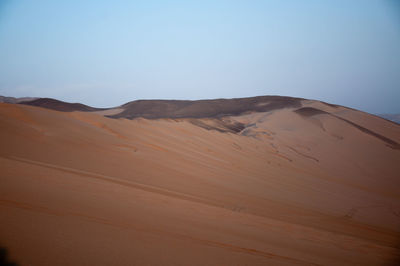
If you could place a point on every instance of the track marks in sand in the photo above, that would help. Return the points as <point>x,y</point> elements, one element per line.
<point>311,111</point>
<point>251,251</point>
<point>157,231</point>
<point>118,181</point>
<point>304,155</point>
<point>143,228</point>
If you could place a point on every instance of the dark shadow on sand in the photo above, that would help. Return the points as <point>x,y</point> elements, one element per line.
<point>4,260</point>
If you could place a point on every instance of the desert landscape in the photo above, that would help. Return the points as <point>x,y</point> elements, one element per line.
<point>264,180</point>
<point>199,133</point>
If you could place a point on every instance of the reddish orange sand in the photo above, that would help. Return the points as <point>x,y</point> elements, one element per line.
<point>81,189</point>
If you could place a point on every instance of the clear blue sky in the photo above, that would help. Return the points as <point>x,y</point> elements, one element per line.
<point>105,53</point>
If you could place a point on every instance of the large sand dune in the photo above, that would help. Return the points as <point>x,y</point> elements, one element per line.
<point>301,183</point>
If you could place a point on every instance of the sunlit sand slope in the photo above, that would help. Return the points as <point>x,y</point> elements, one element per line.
<point>305,184</point>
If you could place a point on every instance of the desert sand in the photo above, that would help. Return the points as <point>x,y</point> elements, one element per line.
<point>286,188</point>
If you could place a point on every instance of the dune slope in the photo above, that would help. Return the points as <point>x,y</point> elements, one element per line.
<point>305,183</point>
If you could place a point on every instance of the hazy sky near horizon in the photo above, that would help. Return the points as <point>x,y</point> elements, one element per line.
<point>105,53</point>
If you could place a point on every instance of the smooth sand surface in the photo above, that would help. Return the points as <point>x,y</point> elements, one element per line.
<point>82,189</point>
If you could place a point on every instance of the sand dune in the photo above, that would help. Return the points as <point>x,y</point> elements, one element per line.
<point>278,185</point>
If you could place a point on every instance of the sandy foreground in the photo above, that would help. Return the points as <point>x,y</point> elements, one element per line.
<point>81,189</point>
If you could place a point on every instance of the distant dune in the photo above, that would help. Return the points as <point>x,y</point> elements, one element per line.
<point>266,180</point>
<point>4,99</point>
<point>178,108</point>
<point>391,117</point>
<point>60,105</point>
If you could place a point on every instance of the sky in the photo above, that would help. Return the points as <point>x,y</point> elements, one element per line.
<point>106,53</point>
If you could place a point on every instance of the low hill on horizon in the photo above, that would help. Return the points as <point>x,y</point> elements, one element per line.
<point>154,109</point>
<point>158,108</point>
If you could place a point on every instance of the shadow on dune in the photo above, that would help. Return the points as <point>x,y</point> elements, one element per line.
<point>4,260</point>
<point>395,260</point>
